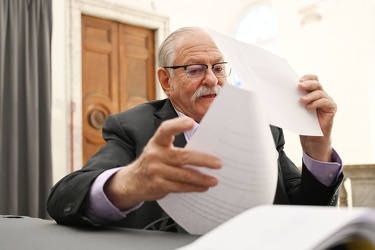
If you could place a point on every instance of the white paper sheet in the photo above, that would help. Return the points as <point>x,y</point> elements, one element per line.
<point>236,130</point>
<point>274,80</point>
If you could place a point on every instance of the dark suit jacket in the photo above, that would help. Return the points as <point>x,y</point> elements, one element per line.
<point>126,135</point>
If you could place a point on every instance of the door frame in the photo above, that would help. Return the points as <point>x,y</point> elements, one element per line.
<point>73,67</point>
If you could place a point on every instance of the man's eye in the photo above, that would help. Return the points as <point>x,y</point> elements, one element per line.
<point>218,68</point>
<point>194,70</point>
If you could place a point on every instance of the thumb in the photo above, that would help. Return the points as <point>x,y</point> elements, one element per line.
<point>165,134</point>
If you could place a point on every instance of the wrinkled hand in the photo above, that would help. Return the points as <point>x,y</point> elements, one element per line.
<point>159,169</point>
<point>318,147</point>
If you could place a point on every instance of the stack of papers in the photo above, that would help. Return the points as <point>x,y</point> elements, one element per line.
<point>293,228</point>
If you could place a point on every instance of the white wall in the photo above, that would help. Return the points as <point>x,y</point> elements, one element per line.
<point>60,100</point>
<point>340,48</point>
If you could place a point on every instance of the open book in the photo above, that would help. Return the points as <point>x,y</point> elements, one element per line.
<point>271,227</point>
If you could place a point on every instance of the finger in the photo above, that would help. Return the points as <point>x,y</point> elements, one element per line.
<point>164,135</point>
<point>324,104</point>
<point>315,95</point>
<point>182,156</point>
<point>165,179</point>
<point>310,85</point>
<point>309,77</point>
<point>190,176</point>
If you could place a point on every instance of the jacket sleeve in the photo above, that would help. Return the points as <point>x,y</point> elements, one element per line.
<point>68,198</point>
<point>297,188</point>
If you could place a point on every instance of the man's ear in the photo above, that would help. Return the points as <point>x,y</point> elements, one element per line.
<point>163,76</point>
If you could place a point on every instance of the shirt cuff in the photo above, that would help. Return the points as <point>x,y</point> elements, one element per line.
<point>325,172</point>
<point>100,210</point>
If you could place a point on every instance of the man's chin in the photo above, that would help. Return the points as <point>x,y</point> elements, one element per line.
<point>204,103</point>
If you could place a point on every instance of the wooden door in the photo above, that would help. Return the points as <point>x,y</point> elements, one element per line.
<point>118,72</point>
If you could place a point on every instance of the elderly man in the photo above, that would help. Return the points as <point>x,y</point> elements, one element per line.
<point>144,151</point>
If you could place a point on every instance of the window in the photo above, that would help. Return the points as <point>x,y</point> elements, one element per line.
<point>258,27</point>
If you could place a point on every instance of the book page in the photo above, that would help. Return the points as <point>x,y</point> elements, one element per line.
<point>272,227</point>
<point>236,130</point>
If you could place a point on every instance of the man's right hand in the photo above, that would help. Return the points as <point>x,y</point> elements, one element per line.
<point>160,170</point>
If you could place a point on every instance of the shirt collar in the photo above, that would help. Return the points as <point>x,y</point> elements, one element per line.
<point>189,133</point>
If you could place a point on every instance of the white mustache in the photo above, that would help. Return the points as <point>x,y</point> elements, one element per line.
<point>204,90</point>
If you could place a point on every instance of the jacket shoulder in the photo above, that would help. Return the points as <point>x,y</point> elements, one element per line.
<point>151,107</point>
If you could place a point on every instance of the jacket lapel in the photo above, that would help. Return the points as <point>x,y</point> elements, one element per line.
<point>165,113</point>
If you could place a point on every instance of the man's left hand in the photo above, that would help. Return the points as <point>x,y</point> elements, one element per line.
<point>318,147</point>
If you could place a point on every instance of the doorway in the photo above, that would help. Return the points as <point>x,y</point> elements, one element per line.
<point>118,72</point>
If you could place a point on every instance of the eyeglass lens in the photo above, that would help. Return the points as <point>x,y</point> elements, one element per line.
<point>220,70</point>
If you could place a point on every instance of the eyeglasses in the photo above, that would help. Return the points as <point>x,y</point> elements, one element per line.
<point>194,71</point>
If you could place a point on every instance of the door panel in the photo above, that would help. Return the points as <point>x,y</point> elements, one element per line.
<point>137,64</point>
<point>117,73</point>
<point>99,80</point>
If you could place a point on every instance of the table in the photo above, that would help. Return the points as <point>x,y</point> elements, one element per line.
<point>21,232</point>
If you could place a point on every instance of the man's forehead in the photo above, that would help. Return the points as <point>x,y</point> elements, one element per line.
<point>196,39</point>
<point>193,51</point>
<point>213,58</point>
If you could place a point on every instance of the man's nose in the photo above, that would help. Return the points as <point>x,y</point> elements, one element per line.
<point>210,78</point>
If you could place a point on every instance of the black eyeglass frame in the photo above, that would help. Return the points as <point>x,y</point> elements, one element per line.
<point>212,67</point>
